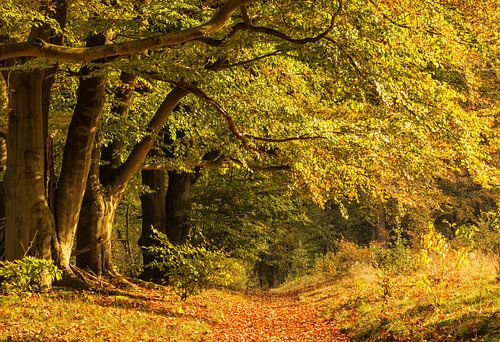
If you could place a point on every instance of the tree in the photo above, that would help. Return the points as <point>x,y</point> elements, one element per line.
<point>357,105</point>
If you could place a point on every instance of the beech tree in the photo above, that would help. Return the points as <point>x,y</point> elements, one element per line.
<point>349,96</point>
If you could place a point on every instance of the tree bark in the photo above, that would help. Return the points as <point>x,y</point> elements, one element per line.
<point>71,54</point>
<point>4,96</point>
<point>111,154</point>
<point>30,225</point>
<point>77,154</point>
<point>95,224</point>
<point>178,203</point>
<point>103,198</point>
<point>153,216</point>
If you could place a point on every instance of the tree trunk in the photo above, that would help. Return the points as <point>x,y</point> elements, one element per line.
<point>94,233</point>
<point>381,232</point>
<point>29,222</point>
<point>153,216</point>
<point>111,154</point>
<point>4,95</point>
<point>95,225</point>
<point>102,199</point>
<point>78,154</point>
<point>177,204</point>
<point>3,163</point>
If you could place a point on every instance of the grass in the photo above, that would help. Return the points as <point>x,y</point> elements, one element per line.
<point>458,303</point>
<point>82,316</point>
<point>452,297</point>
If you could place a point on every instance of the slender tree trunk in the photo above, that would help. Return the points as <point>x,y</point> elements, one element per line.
<point>4,93</point>
<point>153,216</point>
<point>111,154</point>
<point>3,164</point>
<point>381,232</point>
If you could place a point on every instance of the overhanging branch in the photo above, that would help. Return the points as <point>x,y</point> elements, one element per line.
<point>43,49</point>
<point>302,137</point>
<point>247,24</point>
<point>218,107</point>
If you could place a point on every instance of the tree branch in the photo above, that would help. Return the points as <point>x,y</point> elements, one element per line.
<point>247,24</point>
<point>302,137</point>
<point>256,167</point>
<point>223,64</point>
<point>138,154</point>
<point>218,107</point>
<point>40,48</point>
<point>350,58</point>
<point>269,31</point>
<point>219,163</point>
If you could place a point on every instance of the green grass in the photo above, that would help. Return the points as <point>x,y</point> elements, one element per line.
<point>369,304</point>
<point>62,315</point>
<point>445,301</point>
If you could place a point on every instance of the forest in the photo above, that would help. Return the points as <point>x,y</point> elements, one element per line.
<point>249,170</point>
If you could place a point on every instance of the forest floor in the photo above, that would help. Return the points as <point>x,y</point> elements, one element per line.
<point>362,304</point>
<point>145,315</point>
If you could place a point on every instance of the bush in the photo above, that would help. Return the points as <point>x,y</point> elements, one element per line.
<point>190,269</point>
<point>28,274</point>
<point>396,259</point>
<point>341,262</point>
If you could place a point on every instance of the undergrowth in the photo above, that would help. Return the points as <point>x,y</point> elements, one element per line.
<point>434,292</point>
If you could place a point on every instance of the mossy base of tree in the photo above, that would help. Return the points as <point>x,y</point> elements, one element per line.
<point>70,280</point>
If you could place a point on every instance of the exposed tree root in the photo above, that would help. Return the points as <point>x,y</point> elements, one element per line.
<point>147,284</point>
<point>71,280</point>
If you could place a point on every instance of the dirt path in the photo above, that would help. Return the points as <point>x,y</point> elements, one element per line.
<point>271,318</point>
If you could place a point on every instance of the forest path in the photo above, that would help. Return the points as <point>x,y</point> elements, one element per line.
<point>269,317</point>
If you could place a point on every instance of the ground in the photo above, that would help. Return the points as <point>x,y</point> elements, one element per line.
<point>158,315</point>
<point>268,317</point>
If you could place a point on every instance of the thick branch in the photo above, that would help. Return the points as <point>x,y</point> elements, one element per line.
<point>302,137</point>
<point>217,106</point>
<point>247,24</point>
<point>223,64</point>
<point>219,163</point>
<point>134,161</point>
<point>40,48</point>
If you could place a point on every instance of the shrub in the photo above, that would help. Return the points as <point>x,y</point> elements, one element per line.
<point>396,259</point>
<point>28,274</point>
<point>188,268</point>
<point>341,262</point>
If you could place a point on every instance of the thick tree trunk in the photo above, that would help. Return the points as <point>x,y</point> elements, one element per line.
<point>78,155</point>
<point>101,200</point>
<point>3,164</point>
<point>94,233</point>
<point>178,203</point>
<point>29,222</point>
<point>95,225</point>
<point>153,216</point>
